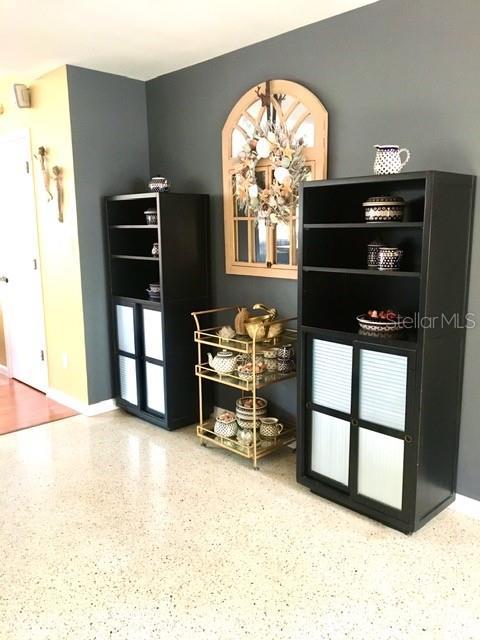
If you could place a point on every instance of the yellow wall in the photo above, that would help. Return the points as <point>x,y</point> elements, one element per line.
<point>3,359</point>
<point>49,123</point>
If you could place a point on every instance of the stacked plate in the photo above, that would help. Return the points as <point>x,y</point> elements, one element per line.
<point>244,411</point>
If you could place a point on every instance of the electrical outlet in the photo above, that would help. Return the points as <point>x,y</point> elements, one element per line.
<point>65,360</point>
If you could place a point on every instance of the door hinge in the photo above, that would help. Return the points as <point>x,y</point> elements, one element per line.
<point>42,355</point>
<point>27,166</point>
<point>35,264</point>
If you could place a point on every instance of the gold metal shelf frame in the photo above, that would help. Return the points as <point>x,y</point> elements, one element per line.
<point>242,345</point>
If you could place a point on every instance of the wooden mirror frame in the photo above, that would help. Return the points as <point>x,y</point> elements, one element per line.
<point>315,158</point>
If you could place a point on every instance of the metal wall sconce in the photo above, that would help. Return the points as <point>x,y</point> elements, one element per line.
<point>58,177</point>
<point>22,96</point>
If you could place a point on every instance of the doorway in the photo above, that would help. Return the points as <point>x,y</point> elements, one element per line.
<point>21,296</point>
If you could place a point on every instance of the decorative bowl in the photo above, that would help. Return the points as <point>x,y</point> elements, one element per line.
<point>247,411</point>
<point>380,326</point>
<point>249,416</point>
<point>225,425</point>
<point>245,405</point>
<point>384,209</point>
<point>259,331</point>
<point>244,423</point>
<point>151,216</point>
<point>259,328</point>
<point>245,371</point>
<point>159,184</point>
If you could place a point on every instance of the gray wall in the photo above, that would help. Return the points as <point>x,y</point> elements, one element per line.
<point>397,71</point>
<point>110,153</point>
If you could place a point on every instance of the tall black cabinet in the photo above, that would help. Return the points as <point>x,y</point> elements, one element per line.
<point>152,351</point>
<point>379,416</point>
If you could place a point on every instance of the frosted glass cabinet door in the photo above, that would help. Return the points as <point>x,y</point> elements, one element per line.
<point>155,388</point>
<point>127,369</point>
<point>383,388</point>
<point>332,375</point>
<point>125,328</point>
<point>330,446</point>
<point>153,336</point>
<point>380,467</point>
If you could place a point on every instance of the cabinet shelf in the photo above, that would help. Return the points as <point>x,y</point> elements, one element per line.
<point>369,272</point>
<point>233,380</point>
<point>363,225</point>
<point>118,256</point>
<point>263,446</point>
<point>406,337</point>
<point>153,303</point>
<point>243,344</point>
<point>154,227</point>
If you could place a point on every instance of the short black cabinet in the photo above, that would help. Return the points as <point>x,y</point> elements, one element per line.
<point>152,351</point>
<point>379,415</point>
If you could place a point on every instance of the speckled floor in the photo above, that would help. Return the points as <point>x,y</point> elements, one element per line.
<point>112,528</point>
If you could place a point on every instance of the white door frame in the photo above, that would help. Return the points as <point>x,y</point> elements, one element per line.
<point>23,135</point>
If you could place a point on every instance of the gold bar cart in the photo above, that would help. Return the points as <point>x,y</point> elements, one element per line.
<point>209,337</point>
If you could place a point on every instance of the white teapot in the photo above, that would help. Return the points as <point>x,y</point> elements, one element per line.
<point>223,362</point>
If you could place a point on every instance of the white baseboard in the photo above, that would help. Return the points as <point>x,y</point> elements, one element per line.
<point>469,506</point>
<point>4,370</point>
<point>100,407</point>
<point>82,407</point>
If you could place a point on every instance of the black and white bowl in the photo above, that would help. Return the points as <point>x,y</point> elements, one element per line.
<point>380,326</point>
<point>384,209</point>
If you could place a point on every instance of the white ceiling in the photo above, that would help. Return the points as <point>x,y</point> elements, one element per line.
<point>143,38</point>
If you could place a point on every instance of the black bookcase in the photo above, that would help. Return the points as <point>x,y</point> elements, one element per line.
<point>152,351</point>
<point>379,416</point>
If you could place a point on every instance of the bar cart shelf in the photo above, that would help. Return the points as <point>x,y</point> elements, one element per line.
<point>240,345</point>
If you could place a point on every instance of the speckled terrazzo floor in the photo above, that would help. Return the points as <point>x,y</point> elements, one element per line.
<point>112,528</point>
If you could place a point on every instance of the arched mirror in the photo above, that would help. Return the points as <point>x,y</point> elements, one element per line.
<point>274,137</point>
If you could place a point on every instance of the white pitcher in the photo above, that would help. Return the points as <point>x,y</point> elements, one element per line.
<point>388,159</point>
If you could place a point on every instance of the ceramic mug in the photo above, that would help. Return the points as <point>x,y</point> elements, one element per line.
<point>388,159</point>
<point>372,253</point>
<point>270,427</point>
<point>389,258</point>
